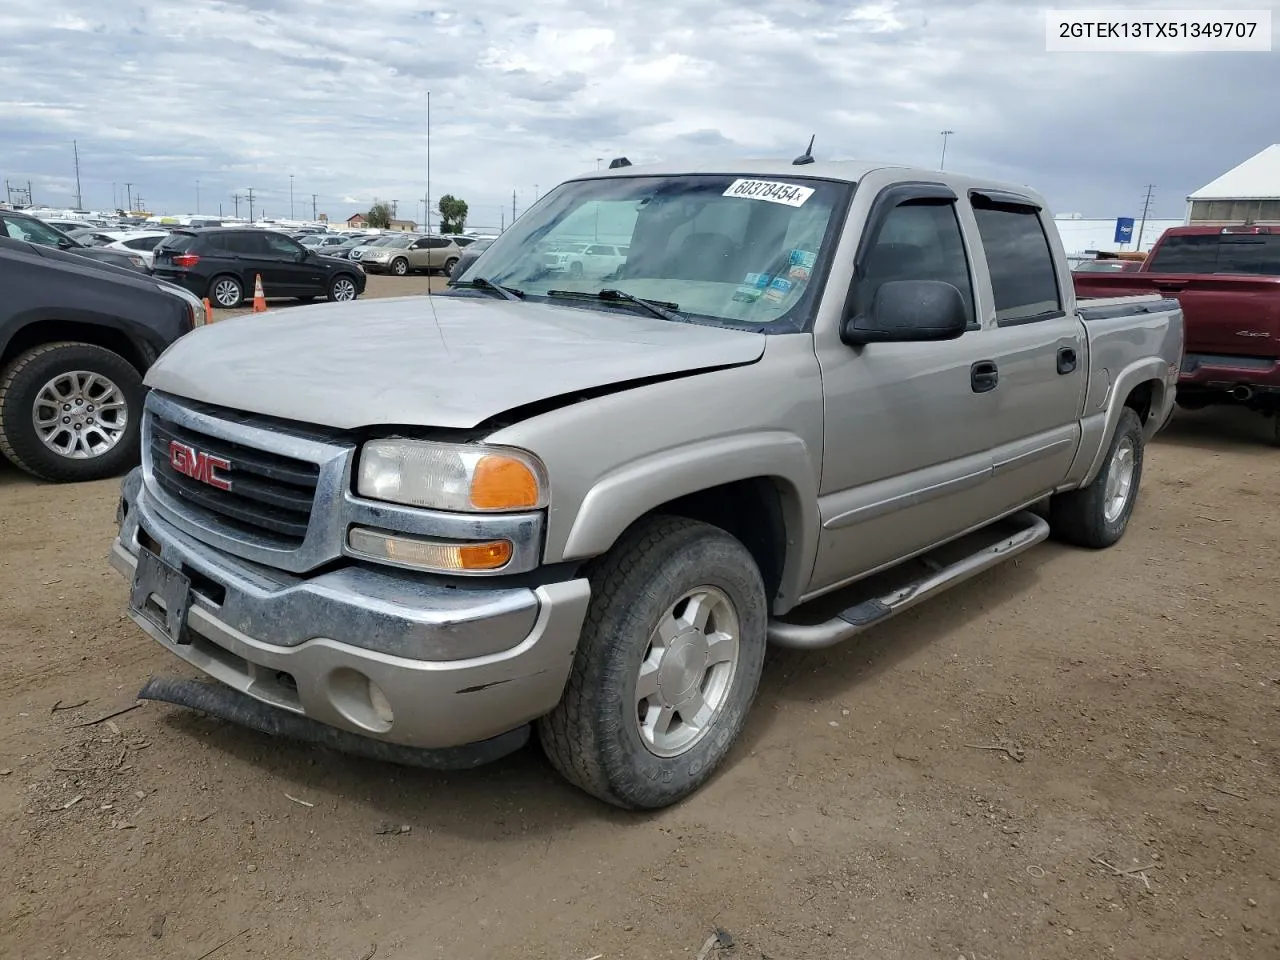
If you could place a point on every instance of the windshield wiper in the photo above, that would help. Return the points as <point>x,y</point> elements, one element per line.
<point>659,308</point>
<point>482,283</point>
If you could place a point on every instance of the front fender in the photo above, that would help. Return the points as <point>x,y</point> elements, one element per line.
<point>630,491</point>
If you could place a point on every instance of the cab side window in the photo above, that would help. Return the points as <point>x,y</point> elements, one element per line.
<point>918,240</point>
<point>1023,279</point>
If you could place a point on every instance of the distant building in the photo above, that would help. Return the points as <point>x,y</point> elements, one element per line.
<point>1248,193</point>
<point>359,221</point>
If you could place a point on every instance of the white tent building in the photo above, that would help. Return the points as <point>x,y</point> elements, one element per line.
<point>1249,193</point>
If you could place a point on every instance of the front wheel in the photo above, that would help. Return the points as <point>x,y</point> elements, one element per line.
<point>399,266</point>
<point>342,288</point>
<point>70,412</point>
<point>667,666</point>
<point>1097,515</point>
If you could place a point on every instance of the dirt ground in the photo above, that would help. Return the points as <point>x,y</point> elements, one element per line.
<point>1141,685</point>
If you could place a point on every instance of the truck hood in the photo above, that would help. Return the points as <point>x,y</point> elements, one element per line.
<point>443,361</point>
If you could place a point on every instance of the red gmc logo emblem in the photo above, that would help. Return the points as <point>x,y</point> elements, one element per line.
<point>198,465</point>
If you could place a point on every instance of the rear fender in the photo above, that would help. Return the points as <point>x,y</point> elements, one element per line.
<point>1099,428</point>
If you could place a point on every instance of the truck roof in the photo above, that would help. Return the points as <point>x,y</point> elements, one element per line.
<point>1231,228</point>
<point>847,171</point>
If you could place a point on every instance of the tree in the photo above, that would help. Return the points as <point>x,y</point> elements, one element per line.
<point>453,214</point>
<point>379,216</point>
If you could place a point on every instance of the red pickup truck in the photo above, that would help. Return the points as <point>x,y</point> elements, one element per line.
<point>1228,282</point>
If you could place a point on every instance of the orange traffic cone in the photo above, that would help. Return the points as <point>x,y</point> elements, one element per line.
<point>208,311</point>
<point>259,301</point>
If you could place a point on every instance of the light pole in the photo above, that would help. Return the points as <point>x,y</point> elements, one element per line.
<point>942,164</point>
<point>291,196</point>
<point>197,197</point>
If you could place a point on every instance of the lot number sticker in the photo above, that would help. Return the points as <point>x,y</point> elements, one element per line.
<point>791,194</point>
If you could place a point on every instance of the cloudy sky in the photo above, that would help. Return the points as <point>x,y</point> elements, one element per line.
<point>524,93</point>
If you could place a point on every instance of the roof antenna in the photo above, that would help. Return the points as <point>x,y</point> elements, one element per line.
<point>807,156</point>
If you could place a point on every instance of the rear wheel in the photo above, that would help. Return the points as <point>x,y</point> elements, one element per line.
<point>226,292</point>
<point>342,288</point>
<point>449,265</point>
<point>667,666</point>
<point>70,412</point>
<point>1097,515</point>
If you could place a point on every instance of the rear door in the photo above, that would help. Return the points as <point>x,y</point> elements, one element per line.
<point>1036,348</point>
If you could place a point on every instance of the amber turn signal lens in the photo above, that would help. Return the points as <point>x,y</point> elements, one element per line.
<point>503,483</point>
<point>428,554</point>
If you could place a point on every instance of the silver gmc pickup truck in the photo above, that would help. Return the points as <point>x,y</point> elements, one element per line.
<point>789,401</point>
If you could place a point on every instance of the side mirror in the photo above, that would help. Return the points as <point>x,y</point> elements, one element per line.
<point>909,311</point>
<point>65,243</point>
<point>303,254</point>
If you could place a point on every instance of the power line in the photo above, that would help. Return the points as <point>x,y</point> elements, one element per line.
<point>237,198</point>
<point>250,191</point>
<point>313,206</point>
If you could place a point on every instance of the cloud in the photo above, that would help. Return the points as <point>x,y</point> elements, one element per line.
<point>240,94</point>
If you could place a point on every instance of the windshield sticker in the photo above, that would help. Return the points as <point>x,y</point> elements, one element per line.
<point>802,262</point>
<point>751,287</point>
<point>778,290</point>
<point>774,191</point>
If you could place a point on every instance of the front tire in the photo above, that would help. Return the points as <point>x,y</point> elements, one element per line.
<point>667,666</point>
<point>400,266</point>
<point>70,412</point>
<point>1096,516</point>
<point>342,289</point>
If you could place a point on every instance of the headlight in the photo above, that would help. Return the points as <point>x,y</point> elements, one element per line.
<point>194,303</point>
<point>457,477</point>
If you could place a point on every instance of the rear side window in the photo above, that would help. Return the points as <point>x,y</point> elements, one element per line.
<point>1023,279</point>
<point>1248,254</point>
<point>437,243</point>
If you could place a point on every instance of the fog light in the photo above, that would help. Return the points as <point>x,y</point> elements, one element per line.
<point>427,553</point>
<point>381,705</point>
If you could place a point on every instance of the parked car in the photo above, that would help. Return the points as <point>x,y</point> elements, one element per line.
<point>76,337</point>
<point>1227,280</point>
<point>343,249</point>
<point>412,531</point>
<point>1107,266</point>
<point>410,253</point>
<point>470,254</point>
<point>221,263</point>
<point>19,226</point>
<point>322,243</point>
<point>143,242</point>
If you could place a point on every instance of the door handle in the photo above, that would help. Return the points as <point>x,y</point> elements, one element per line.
<point>1066,360</point>
<point>983,376</point>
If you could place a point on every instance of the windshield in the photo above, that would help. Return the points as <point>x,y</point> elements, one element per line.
<point>736,250</point>
<point>33,231</point>
<point>398,241</point>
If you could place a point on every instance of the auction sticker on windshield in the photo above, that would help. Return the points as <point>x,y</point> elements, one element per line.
<point>791,194</point>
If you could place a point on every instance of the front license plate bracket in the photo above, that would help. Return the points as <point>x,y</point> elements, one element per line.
<point>154,578</point>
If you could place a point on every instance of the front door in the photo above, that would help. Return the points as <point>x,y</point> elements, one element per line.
<point>906,451</point>
<point>287,269</point>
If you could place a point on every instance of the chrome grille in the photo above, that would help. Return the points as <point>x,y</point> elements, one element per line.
<point>270,496</point>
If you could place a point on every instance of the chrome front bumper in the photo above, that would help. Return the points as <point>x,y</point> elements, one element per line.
<point>383,653</point>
